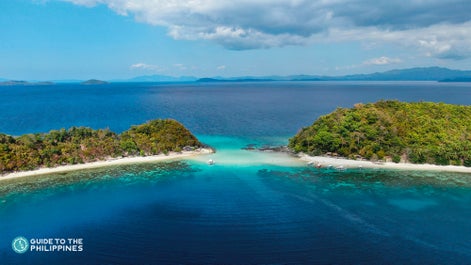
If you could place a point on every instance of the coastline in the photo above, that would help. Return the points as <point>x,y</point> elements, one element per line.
<point>106,163</point>
<point>320,161</point>
<point>342,163</point>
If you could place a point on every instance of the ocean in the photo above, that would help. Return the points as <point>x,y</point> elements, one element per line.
<point>250,207</point>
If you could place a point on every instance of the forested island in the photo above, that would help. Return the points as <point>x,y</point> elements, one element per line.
<point>94,82</point>
<point>422,132</point>
<point>82,145</point>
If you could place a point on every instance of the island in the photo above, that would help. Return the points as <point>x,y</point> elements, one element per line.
<point>94,82</point>
<point>235,80</point>
<point>79,145</point>
<point>25,83</point>
<point>391,131</point>
<point>456,80</point>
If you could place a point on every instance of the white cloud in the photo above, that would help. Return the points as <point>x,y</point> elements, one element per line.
<point>442,40</point>
<point>144,66</point>
<point>438,28</point>
<point>383,60</point>
<point>180,66</point>
<point>221,67</point>
<point>87,3</point>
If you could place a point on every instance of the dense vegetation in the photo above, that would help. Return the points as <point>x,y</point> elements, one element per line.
<point>81,145</point>
<point>423,132</point>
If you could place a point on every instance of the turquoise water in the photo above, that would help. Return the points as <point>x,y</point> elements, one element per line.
<point>245,210</point>
<point>250,207</point>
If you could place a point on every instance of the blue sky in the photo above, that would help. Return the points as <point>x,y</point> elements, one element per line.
<point>114,39</point>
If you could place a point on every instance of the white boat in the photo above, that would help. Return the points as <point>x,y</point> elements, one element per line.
<point>210,162</point>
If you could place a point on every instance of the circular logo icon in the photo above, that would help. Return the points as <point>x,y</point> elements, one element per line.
<point>20,245</point>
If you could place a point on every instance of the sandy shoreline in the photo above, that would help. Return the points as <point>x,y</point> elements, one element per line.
<point>105,163</point>
<point>347,163</point>
<point>321,161</point>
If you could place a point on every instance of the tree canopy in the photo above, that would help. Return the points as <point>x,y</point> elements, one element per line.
<point>421,132</point>
<point>82,145</point>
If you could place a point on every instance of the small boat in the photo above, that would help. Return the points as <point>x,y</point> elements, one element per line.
<point>210,162</point>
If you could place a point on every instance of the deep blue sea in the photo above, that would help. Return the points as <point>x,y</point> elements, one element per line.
<point>250,207</point>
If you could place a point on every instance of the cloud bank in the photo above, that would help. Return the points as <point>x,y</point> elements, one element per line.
<point>144,66</point>
<point>438,28</point>
<point>383,60</point>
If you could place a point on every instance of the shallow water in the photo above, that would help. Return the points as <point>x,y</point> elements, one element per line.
<point>249,210</point>
<point>250,207</point>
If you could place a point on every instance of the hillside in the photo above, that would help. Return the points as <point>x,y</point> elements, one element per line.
<point>423,132</point>
<point>82,145</point>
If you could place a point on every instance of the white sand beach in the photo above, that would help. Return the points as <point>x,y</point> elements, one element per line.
<point>106,163</point>
<point>341,163</point>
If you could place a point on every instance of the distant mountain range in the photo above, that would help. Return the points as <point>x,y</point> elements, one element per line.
<point>412,74</point>
<point>158,78</point>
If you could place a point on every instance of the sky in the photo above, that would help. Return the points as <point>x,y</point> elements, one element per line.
<point>119,39</point>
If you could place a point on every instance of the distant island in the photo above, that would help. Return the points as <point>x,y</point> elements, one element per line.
<point>434,73</point>
<point>457,79</point>
<point>79,145</point>
<point>94,82</point>
<point>158,78</point>
<point>214,80</point>
<point>25,83</point>
<point>423,132</point>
